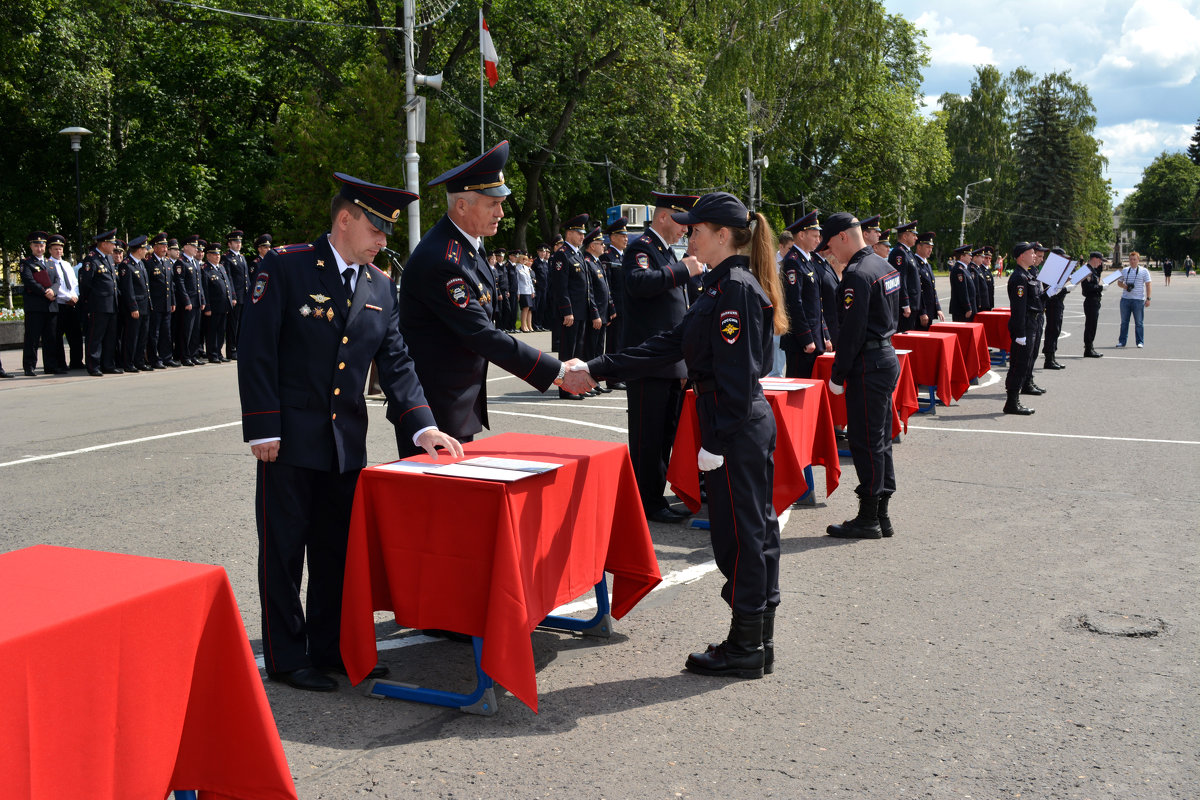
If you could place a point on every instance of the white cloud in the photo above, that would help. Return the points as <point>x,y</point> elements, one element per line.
<point>1131,146</point>
<point>950,48</point>
<point>1158,45</point>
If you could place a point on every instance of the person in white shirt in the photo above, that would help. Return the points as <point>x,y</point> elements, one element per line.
<point>67,297</point>
<point>1135,298</point>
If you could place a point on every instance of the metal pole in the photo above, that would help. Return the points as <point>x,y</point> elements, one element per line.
<point>411,159</point>
<point>750,141</point>
<point>482,74</point>
<point>78,212</point>
<point>962,228</point>
<point>612,201</point>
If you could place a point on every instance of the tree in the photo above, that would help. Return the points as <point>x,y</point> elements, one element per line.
<point>1193,150</point>
<point>1161,209</point>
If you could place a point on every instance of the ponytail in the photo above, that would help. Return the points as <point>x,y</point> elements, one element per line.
<point>761,241</point>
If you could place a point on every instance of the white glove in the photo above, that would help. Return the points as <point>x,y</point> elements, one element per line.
<point>707,461</point>
<point>1020,341</point>
<point>836,388</point>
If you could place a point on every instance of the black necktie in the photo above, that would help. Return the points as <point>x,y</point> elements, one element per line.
<point>346,275</point>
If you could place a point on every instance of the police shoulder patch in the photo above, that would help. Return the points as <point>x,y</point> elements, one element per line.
<point>643,260</point>
<point>847,298</point>
<point>791,276</point>
<point>260,286</point>
<point>730,325</point>
<point>456,290</point>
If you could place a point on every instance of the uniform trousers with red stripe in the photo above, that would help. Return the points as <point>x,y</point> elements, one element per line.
<point>869,387</point>
<point>742,521</point>
<point>654,407</point>
<point>302,511</point>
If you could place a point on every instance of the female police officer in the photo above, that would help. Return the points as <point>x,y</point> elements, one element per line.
<point>726,341</point>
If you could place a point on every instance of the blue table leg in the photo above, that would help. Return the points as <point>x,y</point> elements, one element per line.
<point>809,498</point>
<point>999,358</point>
<point>927,406</point>
<point>482,700</point>
<point>182,794</point>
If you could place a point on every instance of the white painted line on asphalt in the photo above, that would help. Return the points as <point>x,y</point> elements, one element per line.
<point>1134,358</point>
<point>118,444</point>
<point>554,419</point>
<point>1053,435</point>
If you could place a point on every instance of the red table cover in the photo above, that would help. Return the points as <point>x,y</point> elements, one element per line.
<point>804,436</point>
<point>129,677</point>
<point>995,327</point>
<point>972,345</point>
<point>492,559</point>
<point>904,396</point>
<point>935,361</point>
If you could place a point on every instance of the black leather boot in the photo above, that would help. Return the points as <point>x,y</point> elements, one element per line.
<point>1032,388</point>
<point>1013,406</point>
<point>739,656</point>
<point>1052,363</point>
<point>885,522</point>
<point>1090,352</point>
<point>864,526</point>
<point>768,637</point>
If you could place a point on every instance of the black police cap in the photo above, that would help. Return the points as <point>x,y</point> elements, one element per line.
<point>719,208</point>
<point>159,238</point>
<point>483,174</point>
<point>871,223</point>
<point>592,235</point>
<point>57,238</point>
<point>1096,254</point>
<point>37,237</point>
<point>908,227</point>
<point>1023,247</point>
<point>577,223</point>
<point>808,222</point>
<point>835,224</point>
<point>235,236</point>
<point>675,202</point>
<point>136,242</point>
<point>107,236</point>
<point>381,204</point>
<point>619,225</point>
<point>925,238</point>
<point>263,239</point>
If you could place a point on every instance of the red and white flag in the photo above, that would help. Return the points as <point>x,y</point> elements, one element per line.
<point>490,59</point>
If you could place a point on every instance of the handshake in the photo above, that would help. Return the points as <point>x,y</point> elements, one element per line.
<point>577,380</point>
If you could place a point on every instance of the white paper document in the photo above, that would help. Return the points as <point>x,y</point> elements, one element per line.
<point>482,468</point>
<point>783,384</point>
<point>1078,275</point>
<point>1111,277</point>
<point>1054,272</point>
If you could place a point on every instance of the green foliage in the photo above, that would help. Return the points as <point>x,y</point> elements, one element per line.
<point>1162,209</point>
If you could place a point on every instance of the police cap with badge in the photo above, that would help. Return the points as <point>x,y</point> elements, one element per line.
<point>108,236</point>
<point>675,202</point>
<point>592,235</point>
<point>926,238</point>
<point>618,226</point>
<point>808,222</point>
<point>908,227</point>
<point>577,223</point>
<point>871,224</point>
<point>381,204</point>
<point>483,174</point>
<point>136,243</point>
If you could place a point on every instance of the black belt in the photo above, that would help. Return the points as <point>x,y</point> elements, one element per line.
<point>704,386</point>
<point>877,344</point>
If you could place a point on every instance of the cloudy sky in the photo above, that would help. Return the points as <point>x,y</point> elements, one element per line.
<point>1140,59</point>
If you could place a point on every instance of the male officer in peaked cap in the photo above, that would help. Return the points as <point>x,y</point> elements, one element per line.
<point>133,279</point>
<point>931,307</point>
<point>161,272</point>
<point>1024,324</point>
<point>1093,291</point>
<point>40,282</point>
<point>98,296</point>
<point>656,298</point>
<point>807,336</point>
<point>318,314</point>
<point>570,285</point>
<point>963,303</point>
<point>902,260</point>
<point>238,271</point>
<point>614,252</point>
<point>189,302</point>
<point>866,369</point>
<point>871,231</point>
<point>446,297</point>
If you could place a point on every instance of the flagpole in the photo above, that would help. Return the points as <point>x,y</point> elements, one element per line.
<point>482,78</point>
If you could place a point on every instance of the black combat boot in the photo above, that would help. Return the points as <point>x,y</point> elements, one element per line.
<point>885,522</point>
<point>864,526</point>
<point>768,638</point>
<point>1013,406</point>
<point>739,656</point>
<point>1032,388</point>
<point>1090,352</point>
<point>1052,363</point>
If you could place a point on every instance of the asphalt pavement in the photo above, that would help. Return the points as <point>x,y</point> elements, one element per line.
<point>987,651</point>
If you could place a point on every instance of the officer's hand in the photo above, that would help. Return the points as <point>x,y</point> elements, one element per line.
<point>208,313</point>
<point>234,302</point>
<point>578,380</point>
<point>836,388</point>
<point>568,320</point>
<point>828,345</point>
<point>941,317</point>
<point>596,324</point>
<point>906,312</point>
<point>267,451</point>
<point>1020,341</point>
<point>172,309</point>
<point>134,314</point>
<point>432,439</point>
<point>694,265</point>
<point>810,347</point>
<point>707,461</point>
<point>49,294</point>
<point>188,307</point>
<point>924,319</point>
<point>970,313</point>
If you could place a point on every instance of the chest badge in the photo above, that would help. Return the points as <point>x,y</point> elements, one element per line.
<point>730,325</point>
<point>329,314</point>
<point>319,298</point>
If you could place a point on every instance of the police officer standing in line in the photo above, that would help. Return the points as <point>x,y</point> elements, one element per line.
<point>219,302</point>
<point>1055,305</point>
<point>189,303</point>
<point>828,280</point>
<point>931,307</point>
<point>134,283</point>
<point>571,287</point>
<point>656,287</point>
<point>989,277</point>
<point>727,341</point>
<point>262,246</point>
<point>902,260</point>
<point>1035,308</point>
<point>866,369</point>
<point>98,296</point>
<point>611,258</point>
<point>500,279</point>
<point>541,287</point>
<point>1092,290</point>
<point>807,336</point>
<point>318,315</point>
<point>1024,301</point>
<point>39,281</point>
<point>593,248</point>
<point>446,296</point>
<point>512,306</point>
<point>161,274</point>
<point>871,231</point>
<point>238,271</point>
<point>962,286</point>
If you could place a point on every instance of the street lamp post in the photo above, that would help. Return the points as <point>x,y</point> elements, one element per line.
<point>962,229</point>
<point>77,135</point>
